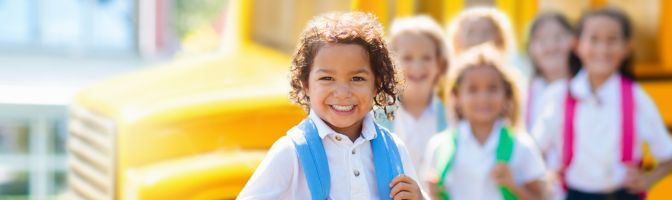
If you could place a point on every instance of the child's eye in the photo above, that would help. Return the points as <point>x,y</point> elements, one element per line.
<point>357,78</point>
<point>326,78</point>
<point>492,88</point>
<point>593,39</point>
<point>472,89</point>
<point>426,58</point>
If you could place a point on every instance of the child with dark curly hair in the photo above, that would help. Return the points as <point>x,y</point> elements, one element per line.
<point>340,70</point>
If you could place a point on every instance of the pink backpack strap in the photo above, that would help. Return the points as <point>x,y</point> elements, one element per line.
<point>628,128</point>
<point>528,111</point>
<point>568,135</point>
<point>628,121</point>
<point>628,125</point>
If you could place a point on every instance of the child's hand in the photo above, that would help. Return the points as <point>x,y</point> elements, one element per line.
<point>635,180</point>
<point>404,187</point>
<point>502,175</point>
<point>433,184</point>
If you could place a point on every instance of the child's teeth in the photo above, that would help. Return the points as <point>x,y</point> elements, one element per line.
<point>342,108</point>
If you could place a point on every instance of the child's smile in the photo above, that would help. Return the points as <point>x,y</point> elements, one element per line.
<point>343,109</point>
<point>418,60</point>
<point>602,47</point>
<point>341,86</point>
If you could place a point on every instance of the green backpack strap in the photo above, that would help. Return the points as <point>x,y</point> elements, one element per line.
<point>504,152</point>
<point>445,157</point>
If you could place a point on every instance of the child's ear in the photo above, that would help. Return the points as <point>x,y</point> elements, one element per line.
<point>304,85</point>
<point>575,47</point>
<point>575,43</point>
<point>629,46</point>
<point>443,66</point>
<point>452,96</point>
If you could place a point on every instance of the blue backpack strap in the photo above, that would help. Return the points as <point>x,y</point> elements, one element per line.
<point>441,120</point>
<point>380,117</point>
<point>386,160</point>
<point>313,159</point>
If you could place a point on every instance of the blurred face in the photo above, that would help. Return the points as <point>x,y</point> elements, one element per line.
<point>481,94</point>
<point>602,46</point>
<point>550,47</point>
<point>478,31</point>
<point>419,64</point>
<point>341,86</point>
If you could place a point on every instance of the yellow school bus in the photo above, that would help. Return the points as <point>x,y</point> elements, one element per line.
<point>197,128</point>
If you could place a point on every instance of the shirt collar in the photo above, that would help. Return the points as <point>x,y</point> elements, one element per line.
<point>429,111</point>
<point>323,130</point>
<point>490,143</point>
<point>580,86</point>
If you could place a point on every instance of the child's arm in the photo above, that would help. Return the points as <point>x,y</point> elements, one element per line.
<point>428,170</point>
<point>545,130</point>
<point>273,177</point>
<point>433,187</point>
<point>638,181</point>
<point>531,190</point>
<point>652,129</point>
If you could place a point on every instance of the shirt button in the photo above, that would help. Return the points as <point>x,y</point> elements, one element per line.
<point>353,152</point>
<point>356,172</point>
<point>338,138</point>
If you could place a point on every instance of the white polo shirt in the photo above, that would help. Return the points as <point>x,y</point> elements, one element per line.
<point>470,176</point>
<point>538,89</point>
<point>596,165</point>
<point>280,175</point>
<point>416,132</point>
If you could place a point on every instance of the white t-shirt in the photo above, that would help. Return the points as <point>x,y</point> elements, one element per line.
<point>281,176</point>
<point>596,165</point>
<point>470,176</point>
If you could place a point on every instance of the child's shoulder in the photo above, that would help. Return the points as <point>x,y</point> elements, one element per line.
<point>284,146</point>
<point>641,95</point>
<point>525,149</point>
<point>555,90</point>
<point>437,139</point>
<point>398,141</point>
<point>524,140</point>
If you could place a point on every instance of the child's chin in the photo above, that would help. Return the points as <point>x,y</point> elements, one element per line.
<point>340,123</point>
<point>485,118</point>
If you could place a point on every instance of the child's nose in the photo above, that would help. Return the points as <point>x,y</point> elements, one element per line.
<point>416,64</point>
<point>342,90</point>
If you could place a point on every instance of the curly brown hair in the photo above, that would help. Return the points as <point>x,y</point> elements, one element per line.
<point>345,28</point>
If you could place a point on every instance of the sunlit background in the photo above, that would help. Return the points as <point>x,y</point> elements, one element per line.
<point>179,99</point>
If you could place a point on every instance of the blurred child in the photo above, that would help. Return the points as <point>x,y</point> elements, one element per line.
<point>551,39</point>
<point>341,68</point>
<point>483,157</point>
<point>598,121</point>
<point>479,25</point>
<point>418,45</point>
